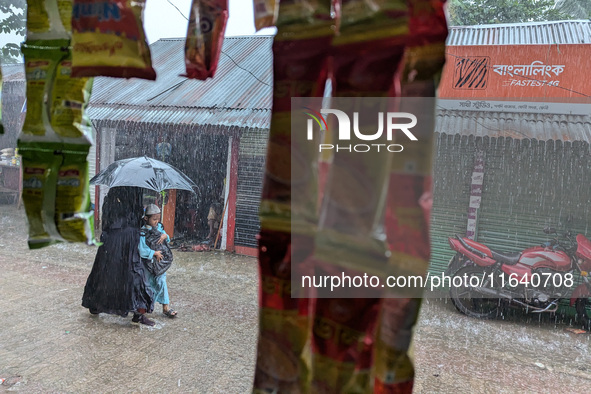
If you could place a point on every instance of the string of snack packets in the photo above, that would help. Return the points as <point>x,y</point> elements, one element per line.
<point>68,42</point>
<point>342,212</point>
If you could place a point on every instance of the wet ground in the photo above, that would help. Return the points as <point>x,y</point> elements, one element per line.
<point>49,343</point>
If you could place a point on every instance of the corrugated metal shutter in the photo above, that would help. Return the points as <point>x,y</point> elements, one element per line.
<point>92,170</point>
<point>251,166</point>
<point>529,184</point>
<point>452,171</point>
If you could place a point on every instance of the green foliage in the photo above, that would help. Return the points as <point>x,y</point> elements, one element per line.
<point>477,12</point>
<point>12,21</point>
<point>576,9</point>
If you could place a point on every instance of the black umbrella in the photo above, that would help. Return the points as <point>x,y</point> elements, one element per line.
<point>143,172</point>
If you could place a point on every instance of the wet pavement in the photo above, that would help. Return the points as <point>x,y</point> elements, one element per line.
<point>522,354</point>
<point>49,343</point>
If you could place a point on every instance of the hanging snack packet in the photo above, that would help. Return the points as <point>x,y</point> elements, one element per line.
<point>54,144</point>
<point>41,59</point>
<point>55,192</point>
<point>350,237</point>
<point>65,12</point>
<point>265,13</point>
<point>40,171</point>
<point>300,55</point>
<point>407,224</point>
<point>74,222</point>
<point>108,39</point>
<point>45,19</point>
<point>69,98</point>
<point>205,37</point>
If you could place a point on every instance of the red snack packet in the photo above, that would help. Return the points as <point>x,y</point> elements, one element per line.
<point>205,37</point>
<point>409,203</point>
<point>300,52</point>
<point>282,365</point>
<point>108,39</point>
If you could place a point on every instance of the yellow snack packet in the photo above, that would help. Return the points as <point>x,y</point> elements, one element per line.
<point>69,98</point>
<point>41,59</point>
<point>40,171</point>
<point>108,39</point>
<point>65,11</point>
<point>48,19</point>
<point>74,223</point>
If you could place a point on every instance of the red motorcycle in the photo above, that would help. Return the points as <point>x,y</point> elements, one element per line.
<point>483,280</point>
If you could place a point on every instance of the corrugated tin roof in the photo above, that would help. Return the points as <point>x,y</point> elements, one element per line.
<point>240,94</point>
<point>515,125</point>
<point>13,72</point>
<point>225,117</point>
<point>557,32</point>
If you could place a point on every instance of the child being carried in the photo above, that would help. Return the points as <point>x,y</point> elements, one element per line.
<point>157,256</point>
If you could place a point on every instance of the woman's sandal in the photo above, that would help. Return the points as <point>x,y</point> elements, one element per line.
<point>170,313</point>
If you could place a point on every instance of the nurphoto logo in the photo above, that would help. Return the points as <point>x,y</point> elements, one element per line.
<point>393,121</point>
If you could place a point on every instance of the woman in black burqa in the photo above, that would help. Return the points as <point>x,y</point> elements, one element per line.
<point>117,284</point>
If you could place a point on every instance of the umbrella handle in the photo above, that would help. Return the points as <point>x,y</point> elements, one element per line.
<point>221,223</point>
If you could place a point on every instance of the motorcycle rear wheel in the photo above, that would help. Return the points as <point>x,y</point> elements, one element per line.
<point>468,301</point>
<point>583,313</point>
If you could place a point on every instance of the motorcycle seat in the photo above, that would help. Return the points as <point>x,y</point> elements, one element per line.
<point>506,258</point>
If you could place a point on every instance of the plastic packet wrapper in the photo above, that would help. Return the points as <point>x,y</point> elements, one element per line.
<point>41,59</point>
<point>265,13</point>
<point>300,70</point>
<point>65,11</point>
<point>54,143</point>
<point>74,222</point>
<point>427,22</point>
<point>205,36</point>
<point>108,39</point>
<point>282,357</point>
<point>55,193</point>
<point>393,369</point>
<point>40,172</point>
<point>369,20</point>
<point>47,19</point>
<point>287,226</point>
<point>409,203</point>
<point>305,19</point>
<point>55,101</point>
<point>69,99</point>
<point>350,242</point>
<point>342,344</point>
<point>350,239</point>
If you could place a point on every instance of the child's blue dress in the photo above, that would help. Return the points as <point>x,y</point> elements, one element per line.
<point>158,283</point>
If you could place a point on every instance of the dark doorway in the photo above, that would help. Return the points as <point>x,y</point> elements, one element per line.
<point>202,157</point>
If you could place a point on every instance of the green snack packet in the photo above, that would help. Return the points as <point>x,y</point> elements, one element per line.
<point>55,142</point>
<point>40,171</point>
<point>37,17</point>
<point>65,12</point>
<point>55,193</point>
<point>48,19</point>
<point>41,60</point>
<point>69,99</point>
<point>74,222</point>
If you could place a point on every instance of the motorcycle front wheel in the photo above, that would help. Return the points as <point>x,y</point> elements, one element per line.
<point>583,313</point>
<point>468,300</point>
